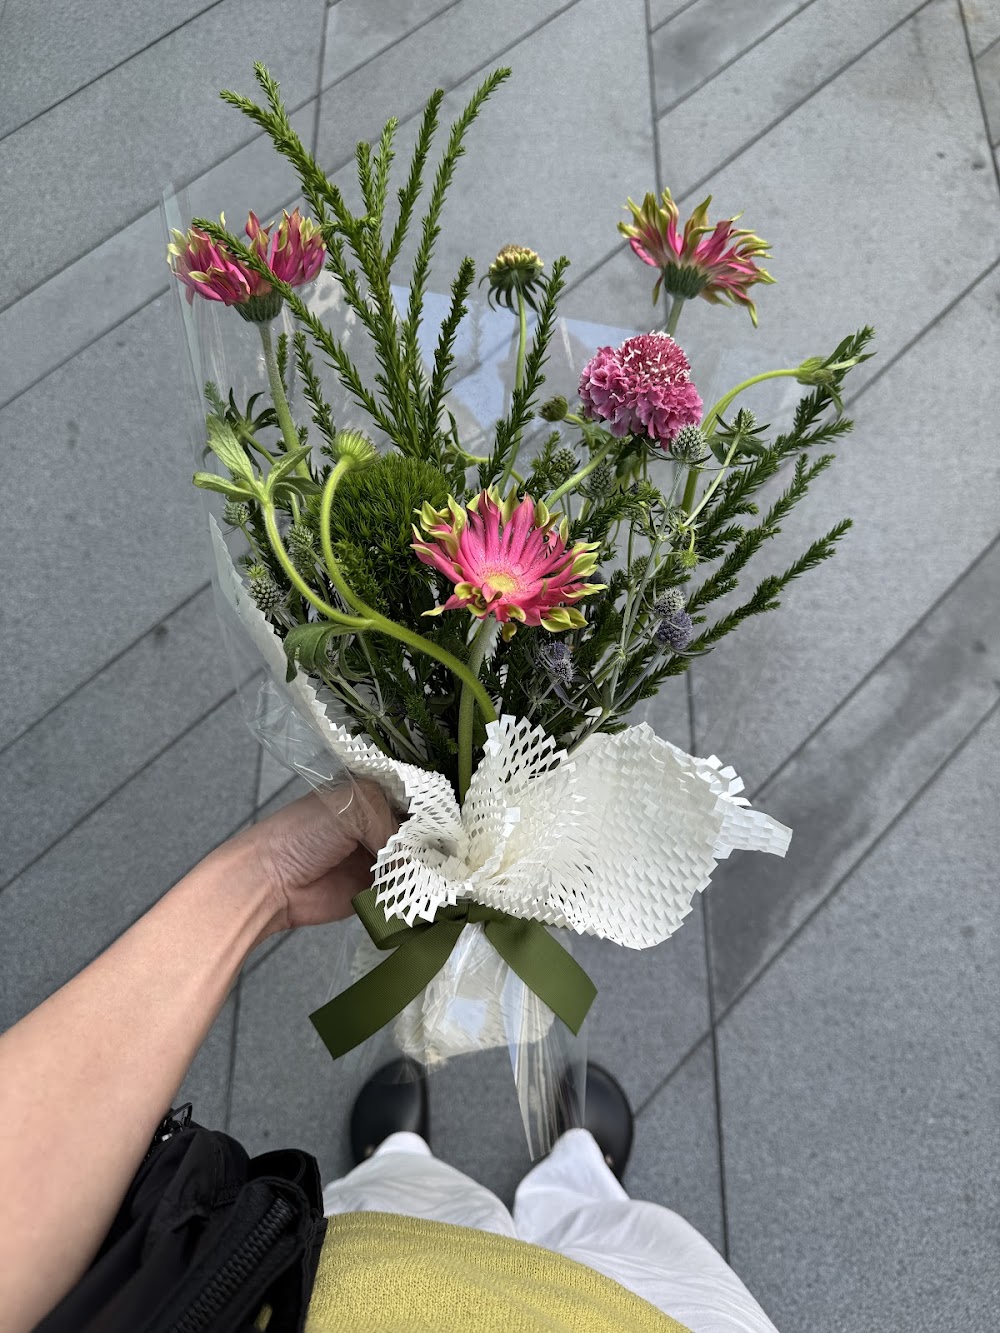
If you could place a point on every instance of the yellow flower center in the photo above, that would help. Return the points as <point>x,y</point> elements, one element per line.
<point>501,582</point>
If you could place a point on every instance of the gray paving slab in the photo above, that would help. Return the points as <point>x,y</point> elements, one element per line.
<point>837,264</point>
<point>287,1092</point>
<point>104,532</point>
<point>357,33</point>
<point>104,154</point>
<point>847,784</point>
<point>94,741</point>
<point>988,69</point>
<point>691,48</point>
<point>982,18</point>
<point>43,61</point>
<point>662,10</point>
<point>675,1160</point>
<point>64,910</point>
<point>207,1081</point>
<point>770,80</point>
<point>113,280</point>
<point>860,1081</point>
<point>918,525</point>
<point>462,39</point>
<point>651,1006</point>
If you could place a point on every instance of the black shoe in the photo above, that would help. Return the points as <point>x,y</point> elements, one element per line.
<point>608,1116</point>
<point>393,1099</point>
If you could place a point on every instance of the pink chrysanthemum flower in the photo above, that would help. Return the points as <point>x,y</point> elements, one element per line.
<point>716,261</point>
<point>294,251</point>
<point>641,388</point>
<point>507,559</point>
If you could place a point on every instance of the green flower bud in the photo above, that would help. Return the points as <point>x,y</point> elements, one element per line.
<point>689,445</point>
<point>600,481</point>
<point>562,466</point>
<point>515,269</point>
<point>236,513</point>
<point>265,592</point>
<point>554,409</point>
<point>301,544</point>
<point>356,446</point>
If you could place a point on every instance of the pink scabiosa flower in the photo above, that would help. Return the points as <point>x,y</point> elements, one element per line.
<point>641,388</point>
<point>508,559</point>
<point>717,261</point>
<point>294,252</point>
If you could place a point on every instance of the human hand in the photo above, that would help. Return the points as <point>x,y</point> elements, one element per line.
<point>311,858</point>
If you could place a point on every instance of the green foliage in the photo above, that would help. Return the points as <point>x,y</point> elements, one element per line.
<point>637,506</point>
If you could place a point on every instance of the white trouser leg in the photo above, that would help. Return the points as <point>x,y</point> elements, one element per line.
<point>572,1203</point>
<point>402,1176</point>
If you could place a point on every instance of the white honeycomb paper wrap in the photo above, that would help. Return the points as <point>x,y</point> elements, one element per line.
<point>614,840</point>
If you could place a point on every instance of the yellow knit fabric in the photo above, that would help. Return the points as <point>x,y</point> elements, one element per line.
<point>380,1271</point>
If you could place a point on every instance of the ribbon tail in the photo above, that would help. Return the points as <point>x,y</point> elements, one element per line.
<point>545,967</point>
<point>364,1008</point>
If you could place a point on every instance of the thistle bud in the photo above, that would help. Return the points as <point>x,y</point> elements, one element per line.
<point>746,421</point>
<point>554,409</point>
<point>235,513</point>
<point>516,269</point>
<point>689,446</point>
<point>265,592</point>
<point>556,660</point>
<point>669,603</point>
<point>301,545</point>
<point>562,466</point>
<point>600,481</point>
<point>675,631</point>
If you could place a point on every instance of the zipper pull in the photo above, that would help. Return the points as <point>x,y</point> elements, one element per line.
<point>176,1119</point>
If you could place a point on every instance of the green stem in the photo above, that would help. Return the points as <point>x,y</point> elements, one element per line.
<point>522,346</point>
<point>289,434</point>
<point>466,709</point>
<point>676,306</point>
<point>299,583</point>
<point>375,620</point>
<point>708,425</point>
<point>716,480</point>
<point>572,482</point>
<point>691,485</point>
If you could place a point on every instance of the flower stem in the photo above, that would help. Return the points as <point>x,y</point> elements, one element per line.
<point>715,481</point>
<point>284,412</point>
<point>572,482</point>
<point>708,425</point>
<point>374,619</point>
<point>522,345</point>
<point>690,486</point>
<point>676,306</point>
<point>299,583</point>
<point>478,649</point>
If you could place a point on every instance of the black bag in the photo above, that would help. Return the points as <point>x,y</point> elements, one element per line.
<point>205,1238</point>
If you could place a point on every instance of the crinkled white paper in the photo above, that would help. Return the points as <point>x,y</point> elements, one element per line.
<point>613,841</point>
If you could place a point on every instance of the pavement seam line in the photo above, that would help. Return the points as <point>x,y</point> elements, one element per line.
<point>796,106</point>
<point>758,41</point>
<point>977,83</point>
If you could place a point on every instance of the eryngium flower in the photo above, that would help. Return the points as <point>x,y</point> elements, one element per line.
<point>676,631</point>
<point>294,252</point>
<point>556,660</point>
<point>669,603</point>
<point>717,261</point>
<point>515,269</point>
<point>641,388</point>
<point>508,559</point>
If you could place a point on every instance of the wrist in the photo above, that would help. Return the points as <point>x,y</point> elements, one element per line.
<point>234,890</point>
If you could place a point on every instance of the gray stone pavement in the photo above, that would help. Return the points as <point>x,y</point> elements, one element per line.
<point>814,1055</point>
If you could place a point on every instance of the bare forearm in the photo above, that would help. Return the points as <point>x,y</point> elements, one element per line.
<point>86,1077</point>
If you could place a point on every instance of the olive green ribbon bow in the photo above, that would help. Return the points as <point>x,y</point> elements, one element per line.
<point>421,950</point>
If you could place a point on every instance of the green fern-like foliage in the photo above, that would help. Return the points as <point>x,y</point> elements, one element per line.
<point>658,546</point>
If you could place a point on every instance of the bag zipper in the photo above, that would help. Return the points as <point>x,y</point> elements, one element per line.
<point>220,1289</point>
<point>176,1119</point>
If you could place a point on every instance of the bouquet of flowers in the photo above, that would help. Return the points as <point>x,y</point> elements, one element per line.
<point>471,631</point>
